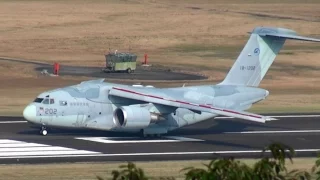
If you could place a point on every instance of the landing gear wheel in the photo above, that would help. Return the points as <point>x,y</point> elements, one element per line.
<point>129,70</point>
<point>44,132</point>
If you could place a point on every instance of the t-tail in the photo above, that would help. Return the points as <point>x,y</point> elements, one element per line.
<point>258,55</point>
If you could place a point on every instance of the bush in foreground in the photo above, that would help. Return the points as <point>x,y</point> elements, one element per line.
<point>272,167</point>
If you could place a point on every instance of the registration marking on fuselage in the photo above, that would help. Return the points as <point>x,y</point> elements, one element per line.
<point>117,140</point>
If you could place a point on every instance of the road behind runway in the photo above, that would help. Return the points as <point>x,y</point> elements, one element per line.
<point>20,142</point>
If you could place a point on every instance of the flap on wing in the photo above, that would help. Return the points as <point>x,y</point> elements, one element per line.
<point>152,98</point>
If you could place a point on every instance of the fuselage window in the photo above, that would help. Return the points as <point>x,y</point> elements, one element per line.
<point>51,101</point>
<point>38,100</point>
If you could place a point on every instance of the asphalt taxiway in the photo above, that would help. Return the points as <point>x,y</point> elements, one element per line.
<point>155,72</point>
<point>223,136</point>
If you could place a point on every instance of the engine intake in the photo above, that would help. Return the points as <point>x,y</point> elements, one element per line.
<point>134,117</point>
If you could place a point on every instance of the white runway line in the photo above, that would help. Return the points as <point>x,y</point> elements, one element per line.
<point>152,154</point>
<point>283,116</point>
<point>48,153</point>
<point>12,122</point>
<point>17,145</point>
<point>183,139</point>
<point>13,148</point>
<point>7,141</point>
<point>271,132</point>
<point>46,148</point>
<point>119,140</point>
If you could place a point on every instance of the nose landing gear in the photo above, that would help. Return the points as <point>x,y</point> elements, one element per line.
<point>43,131</point>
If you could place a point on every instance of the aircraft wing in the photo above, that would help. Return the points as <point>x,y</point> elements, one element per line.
<point>154,97</point>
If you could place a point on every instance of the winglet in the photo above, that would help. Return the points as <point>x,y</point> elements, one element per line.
<point>271,119</point>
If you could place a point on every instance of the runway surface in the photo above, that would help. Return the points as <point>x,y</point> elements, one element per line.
<point>21,143</point>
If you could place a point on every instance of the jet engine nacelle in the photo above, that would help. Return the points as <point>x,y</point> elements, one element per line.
<point>134,117</point>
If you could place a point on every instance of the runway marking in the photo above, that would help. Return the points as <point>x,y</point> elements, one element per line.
<point>153,154</point>
<point>110,140</point>
<point>13,148</point>
<point>283,116</point>
<point>271,132</point>
<point>22,149</point>
<point>12,122</point>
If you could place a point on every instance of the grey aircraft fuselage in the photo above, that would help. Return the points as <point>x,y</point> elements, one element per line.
<point>89,105</point>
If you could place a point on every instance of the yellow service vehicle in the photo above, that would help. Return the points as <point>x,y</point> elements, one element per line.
<point>120,62</point>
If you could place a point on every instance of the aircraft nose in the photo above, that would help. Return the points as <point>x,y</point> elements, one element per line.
<point>30,112</point>
<point>267,93</point>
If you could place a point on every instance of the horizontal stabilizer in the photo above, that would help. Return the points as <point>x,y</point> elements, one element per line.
<point>293,37</point>
<point>282,33</point>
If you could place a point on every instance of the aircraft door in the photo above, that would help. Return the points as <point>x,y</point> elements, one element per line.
<point>81,118</point>
<point>45,119</point>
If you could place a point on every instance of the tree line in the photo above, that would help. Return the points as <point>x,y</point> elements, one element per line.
<point>269,167</point>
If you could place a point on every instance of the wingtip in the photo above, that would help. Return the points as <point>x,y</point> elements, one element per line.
<point>271,119</point>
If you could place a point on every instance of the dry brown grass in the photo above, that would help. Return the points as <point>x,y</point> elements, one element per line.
<point>89,171</point>
<point>203,36</point>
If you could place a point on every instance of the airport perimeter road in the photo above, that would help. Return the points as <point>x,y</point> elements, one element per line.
<point>21,143</point>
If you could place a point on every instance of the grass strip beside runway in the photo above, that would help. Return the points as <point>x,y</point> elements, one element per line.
<point>89,171</point>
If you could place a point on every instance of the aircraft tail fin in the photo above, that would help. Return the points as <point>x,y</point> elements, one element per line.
<point>258,55</point>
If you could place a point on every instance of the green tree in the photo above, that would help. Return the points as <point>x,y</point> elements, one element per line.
<point>220,169</point>
<point>270,167</point>
<point>275,167</point>
<point>316,168</point>
<point>127,172</point>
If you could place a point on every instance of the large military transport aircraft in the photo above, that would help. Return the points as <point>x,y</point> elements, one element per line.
<point>151,111</point>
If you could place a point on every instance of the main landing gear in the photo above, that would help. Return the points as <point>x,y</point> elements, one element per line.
<point>143,135</point>
<point>151,135</point>
<point>43,131</point>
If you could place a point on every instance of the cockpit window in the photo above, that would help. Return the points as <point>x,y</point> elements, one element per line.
<point>38,100</point>
<point>51,101</point>
<point>46,101</point>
